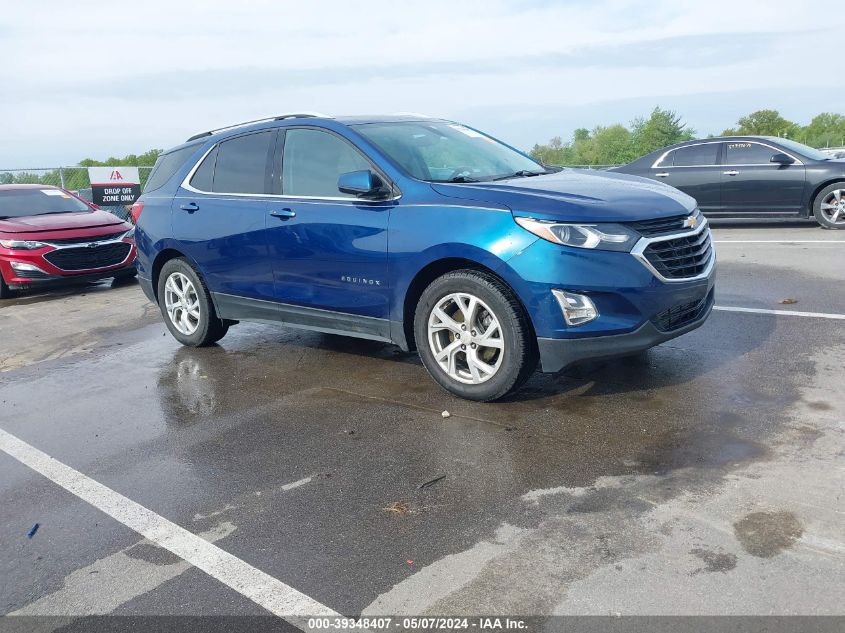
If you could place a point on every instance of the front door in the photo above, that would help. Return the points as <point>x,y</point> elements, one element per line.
<point>752,184</point>
<point>694,170</point>
<point>329,249</point>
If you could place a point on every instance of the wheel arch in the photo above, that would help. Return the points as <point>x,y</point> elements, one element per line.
<point>164,256</point>
<point>432,271</point>
<point>812,200</point>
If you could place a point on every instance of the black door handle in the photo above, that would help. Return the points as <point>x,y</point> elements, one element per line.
<point>283,214</point>
<point>190,207</point>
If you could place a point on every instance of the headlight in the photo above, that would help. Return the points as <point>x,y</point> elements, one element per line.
<point>22,245</point>
<point>603,236</point>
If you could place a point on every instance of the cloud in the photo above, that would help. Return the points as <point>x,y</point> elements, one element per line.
<point>97,78</point>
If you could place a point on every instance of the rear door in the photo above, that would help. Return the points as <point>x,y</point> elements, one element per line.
<point>753,185</point>
<point>693,169</point>
<point>219,216</point>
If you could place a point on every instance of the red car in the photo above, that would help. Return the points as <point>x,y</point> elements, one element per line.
<point>49,235</point>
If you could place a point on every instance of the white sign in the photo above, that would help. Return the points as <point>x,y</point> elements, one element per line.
<point>107,176</point>
<point>114,186</point>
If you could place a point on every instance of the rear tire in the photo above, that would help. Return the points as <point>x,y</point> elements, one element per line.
<point>829,206</point>
<point>186,305</point>
<point>473,336</point>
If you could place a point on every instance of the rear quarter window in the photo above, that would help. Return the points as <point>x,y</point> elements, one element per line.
<point>167,165</point>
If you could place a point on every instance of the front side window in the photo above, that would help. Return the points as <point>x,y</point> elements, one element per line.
<point>314,160</point>
<point>745,153</point>
<point>696,155</point>
<point>447,152</point>
<point>242,163</point>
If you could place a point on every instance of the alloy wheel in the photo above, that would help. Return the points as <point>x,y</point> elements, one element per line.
<point>833,207</point>
<point>466,338</point>
<point>182,303</point>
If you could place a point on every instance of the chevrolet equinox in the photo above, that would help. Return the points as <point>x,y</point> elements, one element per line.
<point>424,233</point>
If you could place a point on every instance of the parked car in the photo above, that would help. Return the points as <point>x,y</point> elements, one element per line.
<point>48,235</point>
<point>751,177</point>
<point>424,233</point>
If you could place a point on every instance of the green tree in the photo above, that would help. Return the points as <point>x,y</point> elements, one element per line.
<point>147,159</point>
<point>764,123</point>
<point>825,130</point>
<point>606,146</point>
<point>661,128</point>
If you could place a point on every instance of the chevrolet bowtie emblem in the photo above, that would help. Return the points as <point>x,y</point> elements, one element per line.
<point>690,222</point>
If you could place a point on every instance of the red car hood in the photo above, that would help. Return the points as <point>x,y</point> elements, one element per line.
<point>59,222</point>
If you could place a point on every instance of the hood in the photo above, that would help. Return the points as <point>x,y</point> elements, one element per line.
<point>59,222</point>
<point>578,195</point>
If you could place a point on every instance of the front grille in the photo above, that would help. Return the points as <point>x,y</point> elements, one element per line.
<point>87,258</point>
<point>680,315</point>
<point>681,257</point>
<point>659,226</point>
<point>86,240</point>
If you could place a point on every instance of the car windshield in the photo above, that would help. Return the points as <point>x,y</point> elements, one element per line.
<point>448,152</point>
<point>800,148</point>
<point>19,203</point>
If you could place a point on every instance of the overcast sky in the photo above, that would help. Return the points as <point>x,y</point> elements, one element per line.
<point>94,79</point>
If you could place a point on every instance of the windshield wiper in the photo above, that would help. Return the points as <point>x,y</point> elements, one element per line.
<point>522,173</point>
<point>54,212</point>
<point>461,179</point>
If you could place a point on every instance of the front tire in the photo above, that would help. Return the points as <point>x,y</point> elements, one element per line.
<point>186,305</point>
<point>5,291</point>
<point>473,336</point>
<point>829,206</point>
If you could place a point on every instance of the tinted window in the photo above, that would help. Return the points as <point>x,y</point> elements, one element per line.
<point>314,160</point>
<point>16,203</point>
<point>167,165</point>
<point>744,153</point>
<point>204,175</point>
<point>241,164</point>
<point>696,155</point>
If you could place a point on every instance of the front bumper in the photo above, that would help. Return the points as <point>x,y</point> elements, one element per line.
<point>49,281</point>
<point>557,354</point>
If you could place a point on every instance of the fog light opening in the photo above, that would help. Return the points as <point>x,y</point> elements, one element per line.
<point>23,267</point>
<point>577,309</point>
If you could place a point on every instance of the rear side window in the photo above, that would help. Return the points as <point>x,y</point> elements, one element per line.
<point>167,165</point>
<point>314,160</point>
<point>696,155</point>
<point>242,164</point>
<point>203,177</point>
<point>748,154</point>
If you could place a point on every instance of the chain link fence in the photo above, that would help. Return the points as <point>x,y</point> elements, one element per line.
<point>74,179</point>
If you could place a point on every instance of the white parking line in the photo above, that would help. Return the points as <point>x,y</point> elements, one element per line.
<point>813,315</point>
<point>268,592</point>
<point>779,241</point>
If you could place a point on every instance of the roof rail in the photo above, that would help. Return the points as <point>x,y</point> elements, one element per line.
<point>296,115</point>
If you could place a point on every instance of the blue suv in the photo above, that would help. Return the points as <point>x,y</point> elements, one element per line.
<point>424,233</point>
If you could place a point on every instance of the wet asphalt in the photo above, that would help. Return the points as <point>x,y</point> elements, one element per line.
<point>704,476</point>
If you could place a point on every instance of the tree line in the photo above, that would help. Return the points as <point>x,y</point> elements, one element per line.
<point>603,145</point>
<point>76,177</point>
<point>617,144</point>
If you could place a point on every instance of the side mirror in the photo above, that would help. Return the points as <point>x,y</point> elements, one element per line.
<point>782,159</point>
<point>364,184</point>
